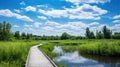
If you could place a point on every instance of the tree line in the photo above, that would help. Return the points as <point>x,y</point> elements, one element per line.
<point>104,34</point>
<point>6,34</point>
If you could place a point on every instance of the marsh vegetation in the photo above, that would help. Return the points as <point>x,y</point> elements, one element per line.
<point>14,54</point>
<point>97,50</point>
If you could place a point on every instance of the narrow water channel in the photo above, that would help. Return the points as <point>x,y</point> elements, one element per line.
<point>75,59</point>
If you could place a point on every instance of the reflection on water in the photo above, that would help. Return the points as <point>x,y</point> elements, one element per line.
<point>74,59</point>
<point>58,49</point>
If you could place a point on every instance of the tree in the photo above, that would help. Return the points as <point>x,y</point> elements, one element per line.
<point>99,35</point>
<point>92,36</point>
<point>87,33</point>
<point>5,31</point>
<point>17,35</point>
<point>28,36</point>
<point>116,35</point>
<point>1,31</point>
<point>106,32</point>
<point>23,35</point>
<point>57,38</point>
<point>65,36</point>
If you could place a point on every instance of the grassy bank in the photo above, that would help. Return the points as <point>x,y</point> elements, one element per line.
<point>92,47</point>
<point>101,48</point>
<point>14,54</point>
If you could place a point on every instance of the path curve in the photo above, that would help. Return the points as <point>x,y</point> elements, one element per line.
<point>37,59</point>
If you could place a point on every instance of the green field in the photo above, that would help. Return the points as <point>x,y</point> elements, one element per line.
<point>14,54</point>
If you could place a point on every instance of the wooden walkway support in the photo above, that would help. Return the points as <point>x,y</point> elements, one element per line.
<point>37,59</point>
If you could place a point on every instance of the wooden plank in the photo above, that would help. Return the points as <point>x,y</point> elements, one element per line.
<point>37,59</point>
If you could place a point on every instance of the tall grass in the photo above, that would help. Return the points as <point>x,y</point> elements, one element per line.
<point>14,54</point>
<point>101,48</point>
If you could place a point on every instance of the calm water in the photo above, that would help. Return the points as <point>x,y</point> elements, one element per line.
<point>75,59</point>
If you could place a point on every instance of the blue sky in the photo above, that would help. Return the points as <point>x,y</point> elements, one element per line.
<point>53,17</point>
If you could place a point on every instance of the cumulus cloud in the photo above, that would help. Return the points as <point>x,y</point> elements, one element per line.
<point>16,26</point>
<point>42,17</point>
<point>116,21</point>
<point>28,26</point>
<point>74,25</point>
<point>116,17</point>
<point>76,2</point>
<point>84,11</point>
<point>34,25</point>
<point>30,8</point>
<point>46,6</point>
<point>94,23</point>
<point>48,28</point>
<point>115,28</point>
<point>37,24</point>
<point>22,3</point>
<point>16,10</point>
<point>8,13</point>
<point>54,13</point>
<point>69,25</point>
<point>51,23</point>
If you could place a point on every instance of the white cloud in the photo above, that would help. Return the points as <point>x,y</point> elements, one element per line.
<point>69,25</point>
<point>94,23</point>
<point>42,17</point>
<point>115,28</point>
<point>76,2</point>
<point>48,28</point>
<point>46,6</point>
<point>18,11</point>
<point>25,18</point>
<point>8,13</point>
<point>73,1</point>
<point>22,3</point>
<point>116,21</point>
<point>51,23</point>
<point>116,17</point>
<point>34,25</point>
<point>30,8</point>
<point>73,25</point>
<point>28,26</point>
<point>54,13</point>
<point>16,26</point>
<point>37,24</point>
<point>85,11</point>
<point>28,30</point>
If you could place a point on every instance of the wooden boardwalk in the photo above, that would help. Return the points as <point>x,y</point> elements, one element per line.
<point>37,59</point>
